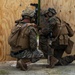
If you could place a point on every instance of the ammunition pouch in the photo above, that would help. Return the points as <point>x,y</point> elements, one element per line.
<point>63,40</point>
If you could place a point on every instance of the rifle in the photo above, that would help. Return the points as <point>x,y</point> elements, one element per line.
<point>36,12</point>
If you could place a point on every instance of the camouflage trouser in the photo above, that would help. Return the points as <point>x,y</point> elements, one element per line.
<point>66,60</point>
<point>58,52</point>
<point>44,46</point>
<point>27,54</point>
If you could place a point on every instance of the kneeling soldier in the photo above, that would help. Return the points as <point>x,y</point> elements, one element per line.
<point>23,41</point>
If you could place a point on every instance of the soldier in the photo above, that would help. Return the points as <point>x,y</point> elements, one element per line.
<point>54,39</point>
<point>44,35</point>
<point>24,43</point>
<point>23,17</point>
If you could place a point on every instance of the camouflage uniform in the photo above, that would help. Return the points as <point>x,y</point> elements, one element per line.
<point>30,54</point>
<point>60,47</point>
<point>48,33</point>
<point>27,53</point>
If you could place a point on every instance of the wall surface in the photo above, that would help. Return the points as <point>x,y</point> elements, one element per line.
<point>10,10</point>
<point>65,10</point>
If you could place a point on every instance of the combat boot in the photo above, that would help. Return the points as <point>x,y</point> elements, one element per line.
<point>74,57</point>
<point>17,64</point>
<point>23,64</point>
<point>52,61</point>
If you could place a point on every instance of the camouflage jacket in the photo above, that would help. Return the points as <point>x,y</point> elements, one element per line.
<point>27,39</point>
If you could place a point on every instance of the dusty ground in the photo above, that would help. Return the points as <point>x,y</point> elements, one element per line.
<point>8,68</point>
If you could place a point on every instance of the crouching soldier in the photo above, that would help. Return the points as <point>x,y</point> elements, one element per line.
<point>60,40</point>
<point>55,38</point>
<point>23,41</point>
<point>44,36</point>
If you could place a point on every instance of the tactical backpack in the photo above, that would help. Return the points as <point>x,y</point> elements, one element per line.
<point>18,38</point>
<point>70,30</point>
<point>62,32</point>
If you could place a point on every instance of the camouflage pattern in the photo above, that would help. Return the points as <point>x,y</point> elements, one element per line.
<point>43,45</point>
<point>32,51</point>
<point>58,48</point>
<point>33,40</point>
<point>66,60</point>
<point>29,53</point>
<point>28,12</point>
<point>48,26</point>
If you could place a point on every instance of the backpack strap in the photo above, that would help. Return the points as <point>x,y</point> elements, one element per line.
<point>60,29</point>
<point>28,25</point>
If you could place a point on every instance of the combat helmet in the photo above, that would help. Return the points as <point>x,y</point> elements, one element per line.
<point>42,12</point>
<point>52,10</point>
<point>49,12</point>
<point>27,13</point>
